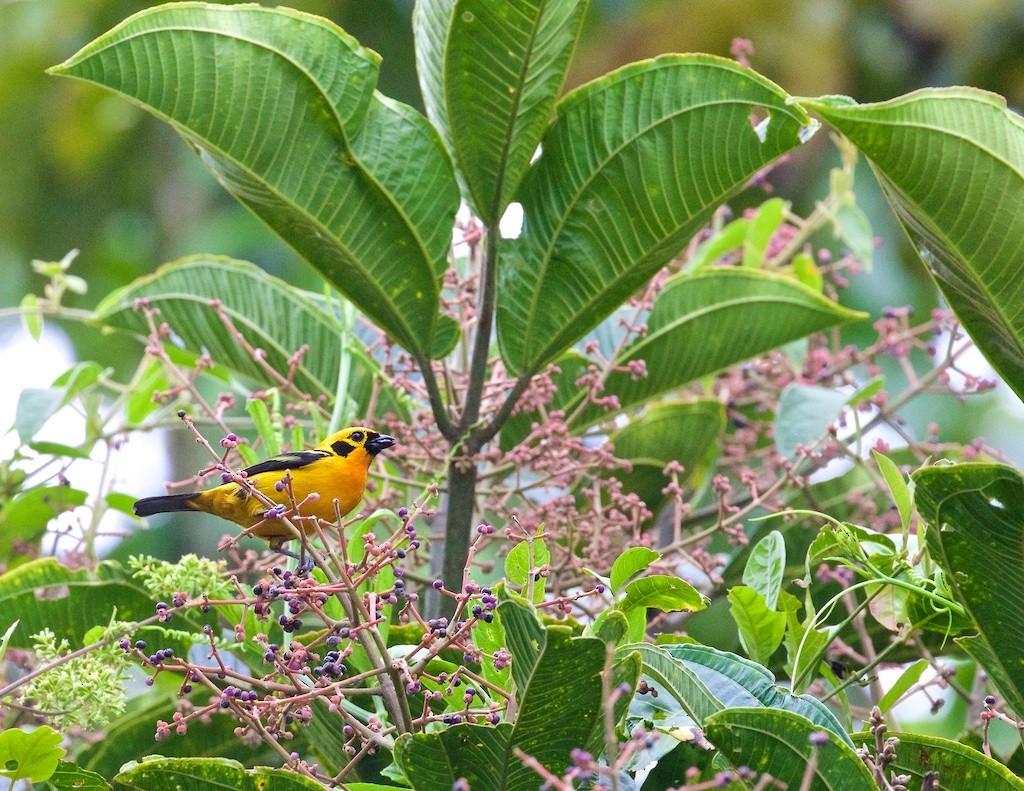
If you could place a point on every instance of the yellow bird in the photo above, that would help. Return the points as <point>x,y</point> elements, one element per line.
<point>334,469</point>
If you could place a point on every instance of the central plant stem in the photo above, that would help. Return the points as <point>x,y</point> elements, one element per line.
<point>462,481</point>
<point>469,434</point>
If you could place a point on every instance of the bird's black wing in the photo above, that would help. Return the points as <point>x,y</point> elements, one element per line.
<point>286,461</point>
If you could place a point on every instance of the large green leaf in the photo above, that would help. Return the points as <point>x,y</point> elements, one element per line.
<point>633,165</point>
<point>490,74</point>
<point>561,686</point>
<point>31,755</point>
<point>700,324</point>
<point>951,162</point>
<point>735,681</point>
<point>281,106</point>
<point>704,681</point>
<point>975,514</point>
<point>489,637</point>
<point>960,768</point>
<point>477,753</point>
<point>209,774</point>
<point>704,322</point>
<point>779,743</point>
<point>45,595</point>
<point>268,312</point>
<point>683,432</point>
<point>524,637</point>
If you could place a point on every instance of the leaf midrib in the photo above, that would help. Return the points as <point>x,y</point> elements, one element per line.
<point>775,737</point>
<point>932,127</point>
<point>966,269</point>
<point>495,210</point>
<point>981,635</point>
<point>689,676</point>
<point>918,211</point>
<point>546,257</point>
<point>508,751</point>
<point>383,295</point>
<point>630,351</point>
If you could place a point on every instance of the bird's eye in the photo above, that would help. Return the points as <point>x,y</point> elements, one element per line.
<point>356,436</point>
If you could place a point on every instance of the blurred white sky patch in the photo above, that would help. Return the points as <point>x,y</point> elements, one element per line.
<point>511,223</point>
<point>30,364</point>
<point>971,360</point>
<point>138,467</point>
<point>466,225</point>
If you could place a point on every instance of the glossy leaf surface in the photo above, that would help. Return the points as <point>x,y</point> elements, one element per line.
<point>281,107</point>
<point>267,312</point>
<point>490,75</point>
<point>975,514</point>
<point>778,742</point>
<point>208,774</point>
<point>951,162</point>
<point>704,681</point>
<point>633,165</point>
<point>959,767</point>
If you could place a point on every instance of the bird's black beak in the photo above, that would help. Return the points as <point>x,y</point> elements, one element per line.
<point>377,444</point>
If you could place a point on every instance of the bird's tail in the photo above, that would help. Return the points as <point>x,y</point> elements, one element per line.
<point>165,504</point>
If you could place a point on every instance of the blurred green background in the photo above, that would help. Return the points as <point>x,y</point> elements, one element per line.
<point>80,168</point>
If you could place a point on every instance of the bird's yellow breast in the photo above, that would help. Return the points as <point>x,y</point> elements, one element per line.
<point>331,477</point>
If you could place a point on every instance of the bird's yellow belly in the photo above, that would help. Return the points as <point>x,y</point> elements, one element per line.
<point>330,478</point>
